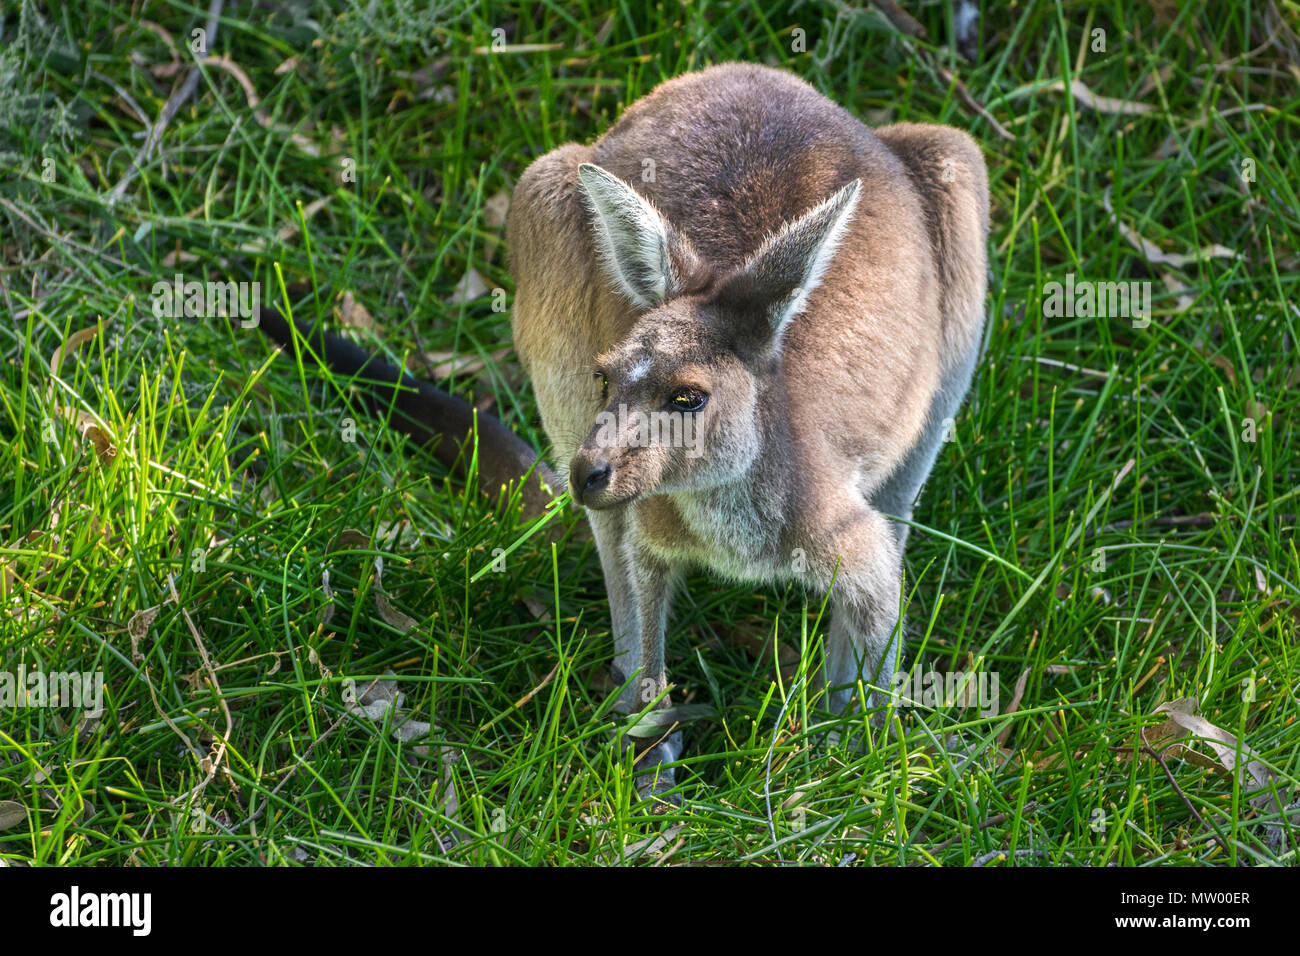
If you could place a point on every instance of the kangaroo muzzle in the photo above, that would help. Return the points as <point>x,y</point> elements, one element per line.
<point>589,480</point>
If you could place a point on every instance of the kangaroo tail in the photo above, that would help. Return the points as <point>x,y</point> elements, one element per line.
<point>429,415</point>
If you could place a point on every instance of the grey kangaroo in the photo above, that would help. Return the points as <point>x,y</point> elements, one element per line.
<point>798,302</point>
<point>795,300</point>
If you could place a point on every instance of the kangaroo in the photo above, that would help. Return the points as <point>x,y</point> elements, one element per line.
<point>798,301</point>
<point>795,300</point>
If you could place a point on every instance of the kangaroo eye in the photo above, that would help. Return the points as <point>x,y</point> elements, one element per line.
<point>688,399</point>
<point>604,383</point>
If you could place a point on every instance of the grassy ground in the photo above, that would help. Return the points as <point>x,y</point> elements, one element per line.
<point>1106,533</point>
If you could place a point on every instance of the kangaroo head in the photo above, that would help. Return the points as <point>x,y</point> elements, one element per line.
<point>676,403</point>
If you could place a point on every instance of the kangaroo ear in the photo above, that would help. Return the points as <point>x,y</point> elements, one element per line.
<point>637,246</point>
<point>790,263</point>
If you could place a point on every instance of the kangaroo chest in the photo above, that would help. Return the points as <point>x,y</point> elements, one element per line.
<point>727,531</point>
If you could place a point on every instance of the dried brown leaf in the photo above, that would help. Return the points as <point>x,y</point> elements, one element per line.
<point>350,538</point>
<point>138,628</point>
<point>73,342</point>
<point>470,287</point>
<point>1220,361</point>
<point>105,450</point>
<point>390,614</point>
<point>1099,104</point>
<point>449,363</point>
<point>1016,697</point>
<point>1254,775</point>
<point>306,145</point>
<point>655,845</point>
<point>496,209</point>
<point>1153,254</point>
<point>352,313</point>
<point>11,814</point>
<point>1223,743</point>
<point>377,699</point>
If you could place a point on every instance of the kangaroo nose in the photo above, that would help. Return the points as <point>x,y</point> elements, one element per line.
<point>587,476</point>
<point>599,477</point>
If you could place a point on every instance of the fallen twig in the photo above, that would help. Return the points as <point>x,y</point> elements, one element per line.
<point>179,98</point>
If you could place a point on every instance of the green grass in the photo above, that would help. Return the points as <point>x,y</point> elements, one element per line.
<point>232,478</point>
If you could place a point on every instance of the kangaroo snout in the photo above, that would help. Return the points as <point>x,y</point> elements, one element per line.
<point>589,477</point>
